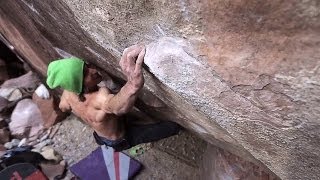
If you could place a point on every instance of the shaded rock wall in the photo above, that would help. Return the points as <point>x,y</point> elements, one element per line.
<point>220,164</point>
<point>242,74</point>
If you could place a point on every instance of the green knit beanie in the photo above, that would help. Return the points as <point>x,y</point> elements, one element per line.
<point>66,73</point>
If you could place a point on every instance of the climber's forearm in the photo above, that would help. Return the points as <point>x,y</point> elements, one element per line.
<point>122,102</point>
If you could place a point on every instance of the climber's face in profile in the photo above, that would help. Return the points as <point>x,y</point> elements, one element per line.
<point>91,76</point>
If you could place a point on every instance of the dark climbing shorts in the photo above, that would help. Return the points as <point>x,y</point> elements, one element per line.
<point>137,134</point>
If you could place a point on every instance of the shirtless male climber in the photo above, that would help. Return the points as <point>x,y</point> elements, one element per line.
<point>101,109</point>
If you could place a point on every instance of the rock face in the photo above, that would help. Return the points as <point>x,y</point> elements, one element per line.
<point>3,72</point>
<point>244,75</point>
<point>49,109</point>
<point>26,119</point>
<point>219,164</point>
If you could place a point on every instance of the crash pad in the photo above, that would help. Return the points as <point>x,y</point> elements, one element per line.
<point>106,164</point>
<point>22,171</point>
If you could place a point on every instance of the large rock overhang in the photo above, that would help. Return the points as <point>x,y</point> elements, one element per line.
<point>243,75</point>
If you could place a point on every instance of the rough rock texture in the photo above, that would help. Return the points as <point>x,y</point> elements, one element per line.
<point>242,74</point>
<point>3,103</point>
<point>49,108</point>
<point>4,135</point>
<point>26,119</point>
<point>3,71</point>
<point>220,164</point>
<point>28,81</point>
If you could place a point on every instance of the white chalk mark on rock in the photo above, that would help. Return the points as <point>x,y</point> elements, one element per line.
<point>63,53</point>
<point>30,6</point>
<point>94,52</point>
<point>159,30</point>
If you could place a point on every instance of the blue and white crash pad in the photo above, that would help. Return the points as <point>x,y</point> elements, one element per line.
<point>106,164</point>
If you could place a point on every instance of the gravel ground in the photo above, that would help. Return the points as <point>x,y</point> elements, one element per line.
<point>177,157</point>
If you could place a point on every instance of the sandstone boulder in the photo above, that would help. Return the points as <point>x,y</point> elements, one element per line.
<point>49,109</point>
<point>3,103</point>
<point>244,75</point>
<point>3,72</point>
<point>4,135</point>
<point>26,119</point>
<point>29,81</point>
